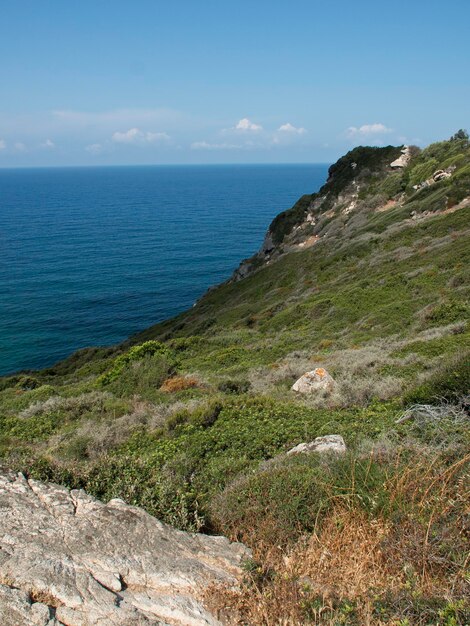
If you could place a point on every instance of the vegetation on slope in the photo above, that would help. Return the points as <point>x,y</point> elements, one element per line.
<point>191,419</point>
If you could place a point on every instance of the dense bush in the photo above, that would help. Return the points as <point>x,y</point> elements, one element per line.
<point>138,482</point>
<point>234,386</point>
<point>290,497</point>
<point>341,174</point>
<point>380,301</point>
<point>367,159</point>
<point>392,185</point>
<point>27,383</point>
<point>450,382</point>
<point>149,348</point>
<point>447,312</point>
<point>423,171</point>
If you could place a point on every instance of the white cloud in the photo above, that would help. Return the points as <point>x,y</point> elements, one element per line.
<point>137,136</point>
<point>94,148</point>
<point>20,147</point>
<point>48,144</point>
<point>246,125</point>
<point>154,137</point>
<point>289,128</point>
<point>366,130</point>
<point>3,144</point>
<point>204,145</point>
<point>133,135</point>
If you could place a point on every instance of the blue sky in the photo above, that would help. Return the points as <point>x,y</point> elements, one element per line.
<point>145,81</point>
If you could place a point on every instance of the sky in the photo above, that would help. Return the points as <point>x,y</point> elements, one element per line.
<point>103,82</point>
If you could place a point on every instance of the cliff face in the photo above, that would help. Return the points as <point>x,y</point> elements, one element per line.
<point>365,180</point>
<point>304,224</point>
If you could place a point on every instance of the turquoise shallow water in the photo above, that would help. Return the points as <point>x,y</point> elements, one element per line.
<point>89,256</point>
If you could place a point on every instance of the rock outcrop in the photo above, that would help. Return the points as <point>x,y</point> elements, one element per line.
<point>314,381</point>
<point>403,159</point>
<point>323,215</point>
<point>328,443</point>
<point>67,558</point>
<point>435,178</point>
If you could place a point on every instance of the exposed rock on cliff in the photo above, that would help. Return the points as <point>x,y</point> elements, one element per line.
<point>403,159</point>
<point>313,215</point>
<point>67,558</point>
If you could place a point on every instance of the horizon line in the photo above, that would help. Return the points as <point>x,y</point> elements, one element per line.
<point>103,165</point>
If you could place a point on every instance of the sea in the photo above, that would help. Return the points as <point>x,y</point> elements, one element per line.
<point>91,255</point>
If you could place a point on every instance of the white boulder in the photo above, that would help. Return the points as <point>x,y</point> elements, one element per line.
<point>329,443</point>
<point>316,380</point>
<point>403,159</point>
<point>441,175</point>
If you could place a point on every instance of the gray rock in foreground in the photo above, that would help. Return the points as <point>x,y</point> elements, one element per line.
<point>329,443</point>
<point>66,558</point>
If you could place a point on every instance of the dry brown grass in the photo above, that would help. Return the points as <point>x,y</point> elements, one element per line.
<point>345,560</point>
<point>356,563</point>
<point>45,597</point>
<point>179,383</point>
<point>353,562</point>
<point>35,595</point>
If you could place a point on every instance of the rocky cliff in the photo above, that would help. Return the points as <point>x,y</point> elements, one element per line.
<point>363,181</point>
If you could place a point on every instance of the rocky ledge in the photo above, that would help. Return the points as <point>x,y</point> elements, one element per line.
<point>66,558</point>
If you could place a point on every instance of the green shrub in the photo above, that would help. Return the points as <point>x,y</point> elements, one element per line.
<point>289,498</point>
<point>456,159</point>
<point>443,150</point>
<point>234,386</point>
<point>448,312</point>
<point>203,416</point>
<point>137,353</point>
<point>368,160</point>
<point>459,190</point>
<point>50,414</point>
<point>463,172</point>
<point>285,221</point>
<point>26,383</point>
<point>143,377</point>
<point>450,382</point>
<point>182,344</point>
<point>423,171</point>
<point>138,482</point>
<point>77,448</point>
<point>392,185</point>
<point>416,608</point>
<point>83,360</point>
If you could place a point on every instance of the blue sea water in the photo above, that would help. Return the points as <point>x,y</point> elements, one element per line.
<point>89,256</point>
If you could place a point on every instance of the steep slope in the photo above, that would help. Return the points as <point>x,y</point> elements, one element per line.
<point>367,279</point>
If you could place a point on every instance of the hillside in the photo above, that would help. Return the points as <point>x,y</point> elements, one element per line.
<point>367,279</point>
